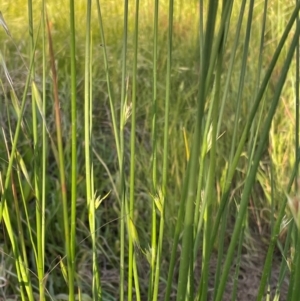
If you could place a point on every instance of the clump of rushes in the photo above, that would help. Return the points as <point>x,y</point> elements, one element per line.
<point>188,140</point>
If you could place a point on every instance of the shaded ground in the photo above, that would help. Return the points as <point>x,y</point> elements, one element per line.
<point>248,279</point>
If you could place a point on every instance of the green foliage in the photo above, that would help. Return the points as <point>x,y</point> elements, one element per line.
<point>143,142</point>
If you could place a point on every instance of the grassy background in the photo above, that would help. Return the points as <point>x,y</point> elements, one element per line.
<point>274,169</point>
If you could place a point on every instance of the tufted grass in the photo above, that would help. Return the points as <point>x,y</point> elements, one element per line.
<point>141,140</point>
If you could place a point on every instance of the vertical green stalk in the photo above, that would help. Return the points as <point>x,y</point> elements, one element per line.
<point>73,141</point>
<point>296,261</point>
<point>209,191</point>
<point>96,287</point>
<point>187,243</point>
<point>219,43</point>
<point>201,29</point>
<point>165,166</point>
<point>155,265</point>
<point>122,152</point>
<point>226,16</point>
<point>41,245</point>
<point>87,106</point>
<point>132,264</point>
<point>36,157</point>
<point>165,152</point>
<point>167,110</point>
<point>40,214</point>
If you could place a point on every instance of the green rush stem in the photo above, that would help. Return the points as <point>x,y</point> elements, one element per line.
<point>131,270</point>
<point>155,265</point>
<point>40,214</point>
<point>187,240</point>
<point>73,141</point>
<point>165,151</point>
<point>122,152</point>
<point>41,246</point>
